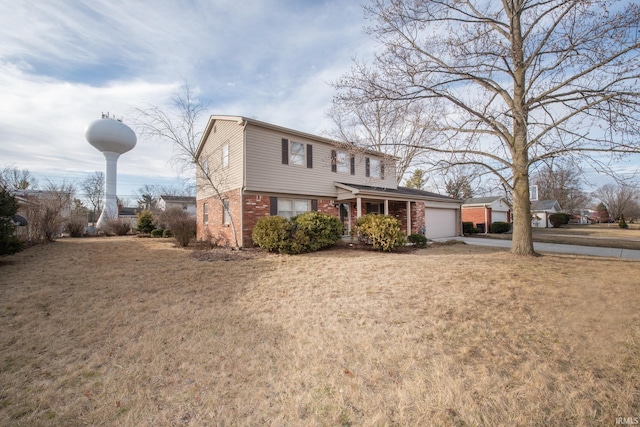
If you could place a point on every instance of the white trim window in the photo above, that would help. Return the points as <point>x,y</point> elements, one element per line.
<point>296,153</point>
<point>225,155</point>
<point>374,169</point>
<point>343,162</point>
<point>226,218</point>
<point>205,214</point>
<point>288,208</point>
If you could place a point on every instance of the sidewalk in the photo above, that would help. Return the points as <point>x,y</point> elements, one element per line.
<point>554,247</point>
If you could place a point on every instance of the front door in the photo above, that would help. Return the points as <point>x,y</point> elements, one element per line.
<point>345,211</point>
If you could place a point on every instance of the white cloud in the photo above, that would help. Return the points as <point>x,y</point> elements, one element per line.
<point>63,63</point>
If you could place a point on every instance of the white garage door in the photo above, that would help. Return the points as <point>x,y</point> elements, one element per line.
<point>497,216</point>
<point>440,223</point>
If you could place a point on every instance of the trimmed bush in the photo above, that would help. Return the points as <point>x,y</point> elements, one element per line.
<point>468,228</point>
<point>559,219</point>
<point>382,231</point>
<point>622,223</point>
<point>320,229</point>
<point>419,240</point>
<point>500,227</point>
<point>146,222</point>
<point>117,227</point>
<point>157,232</point>
<point>272,233</point>
<point>306,232</point>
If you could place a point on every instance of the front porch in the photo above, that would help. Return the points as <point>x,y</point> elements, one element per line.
<point>354,201</point>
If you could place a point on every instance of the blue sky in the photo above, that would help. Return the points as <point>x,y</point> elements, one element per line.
<point>63,63</point>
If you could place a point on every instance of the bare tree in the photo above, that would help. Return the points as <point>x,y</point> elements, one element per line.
<point>93,189</point>
<point>179,127</point>
<point>618,199</point>
<point>397,129</point>
<point>48,210</point>
<point>561,183</point>
<point>515,82</point>
<point>13,178</point>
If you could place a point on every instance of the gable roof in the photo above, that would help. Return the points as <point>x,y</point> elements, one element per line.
<point>482,200</point>
<point>243,121</point>
<point>179,199</point>
<point>545,205</point>
<point>400,192</point>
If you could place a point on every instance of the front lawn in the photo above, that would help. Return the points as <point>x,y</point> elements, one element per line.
<point>134,332</point>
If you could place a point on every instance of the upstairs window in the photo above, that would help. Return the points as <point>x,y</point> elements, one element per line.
<point>342,162</point>
<point>297,153</point>
<point>225,155</point>
<point>374,168</point>
<point>205,214</point>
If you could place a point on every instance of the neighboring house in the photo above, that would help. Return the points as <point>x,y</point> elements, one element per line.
<point>540,211</point>
<point>130,214</point>
<point>187,204</point>
<point>584,216</point>
<point>263,169</point>
<point>484,211</point>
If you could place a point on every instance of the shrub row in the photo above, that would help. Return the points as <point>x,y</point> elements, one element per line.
<point>307,232</point>
<point>500,227</point>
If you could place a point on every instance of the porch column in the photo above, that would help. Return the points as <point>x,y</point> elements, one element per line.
<point>358,207</point>
<point>408,218</point>
<point>386,207</point>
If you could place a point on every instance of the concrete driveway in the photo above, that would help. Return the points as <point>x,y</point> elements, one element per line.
<point>554,247</point>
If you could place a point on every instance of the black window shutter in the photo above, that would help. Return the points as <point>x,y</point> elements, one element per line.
<point>334,161</point>
<point>314,204</point>
<point>367,164</point>
<point>381,169</point>
<point>285,151</point>
<point>367,207</point>
<point>309,156</point>
<point>353,165</point>
<point>273,206</point>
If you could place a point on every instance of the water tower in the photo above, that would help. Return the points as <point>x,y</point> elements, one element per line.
<point>112,138</point>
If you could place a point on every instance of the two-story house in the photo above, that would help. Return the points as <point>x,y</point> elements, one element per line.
<point>262,169</point>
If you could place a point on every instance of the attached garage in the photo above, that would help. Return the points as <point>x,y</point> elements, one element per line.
<point>441,222</point>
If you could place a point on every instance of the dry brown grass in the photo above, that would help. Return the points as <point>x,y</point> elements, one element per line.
<point>133,332</point>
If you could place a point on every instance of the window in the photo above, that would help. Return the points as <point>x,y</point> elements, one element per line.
<point>226,218</point>
<point>296,154</point>
<point>342,162</point>
<point>225,155</point>
<point>205,214</point>
<point>374,168</point>
<point>289,208</point>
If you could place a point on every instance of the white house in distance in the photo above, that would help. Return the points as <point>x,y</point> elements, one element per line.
<point>540,211</point>
<point>263,169</point>
<point>186,203</point>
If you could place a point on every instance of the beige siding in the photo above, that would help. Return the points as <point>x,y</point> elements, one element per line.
<point>266,173</point>
<point>230,178</point>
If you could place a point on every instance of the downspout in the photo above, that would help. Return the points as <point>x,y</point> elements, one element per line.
<point>243,188</point>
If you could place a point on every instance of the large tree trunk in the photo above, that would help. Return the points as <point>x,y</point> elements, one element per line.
<point>522,239</point>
